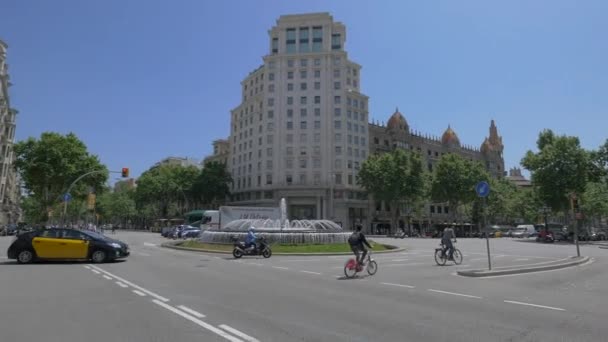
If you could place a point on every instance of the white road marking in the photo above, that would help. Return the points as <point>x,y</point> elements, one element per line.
<point>149,244</point>
<point>399,285</point>
<point>454,293</point>
<point>298,260</point>
<point>309,272</point>
<point>87,267</point>
<point>239,333</point>
<point>534,305</point>
<point>524,259</point>
<point>192,312</point>
<point>280,268</point>
<point>255,263</point>
<point>123,285</point>
<point>477,259</point>
<point>197,321</point>
<point>96,271</point>
<point>143,254</point>
<point>500,256</point>
<point>152,294</point>
<point>107,277</point>
<point>400,260</point>
<point>139,293</point>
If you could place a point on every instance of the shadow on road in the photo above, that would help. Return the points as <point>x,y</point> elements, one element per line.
<point>59,262</point>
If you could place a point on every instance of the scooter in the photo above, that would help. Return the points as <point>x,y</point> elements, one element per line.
<point>261,248</point>
<point>548,238</point>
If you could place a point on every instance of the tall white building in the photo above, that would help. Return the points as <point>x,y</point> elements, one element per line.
<point>301,130</point>
<point>10,187</point>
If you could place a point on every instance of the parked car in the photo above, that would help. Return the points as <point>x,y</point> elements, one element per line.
<point>166,231</point>
<point>524,231</point>
<point>191,233</point>
<point>598,234</point>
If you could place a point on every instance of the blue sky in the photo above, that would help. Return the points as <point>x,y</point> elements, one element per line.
<point>139,80</point>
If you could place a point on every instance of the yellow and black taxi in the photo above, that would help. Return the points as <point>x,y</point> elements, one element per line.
<point>70,244</point>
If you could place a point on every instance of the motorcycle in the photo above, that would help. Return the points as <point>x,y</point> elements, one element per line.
<point>547,238</point>
<point>261,248</point>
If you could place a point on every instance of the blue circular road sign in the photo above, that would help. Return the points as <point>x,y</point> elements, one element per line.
<point>483,189</point>
<point>67,197</point>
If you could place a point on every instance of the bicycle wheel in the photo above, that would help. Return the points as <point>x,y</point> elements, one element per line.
<point>439,259</point>
<point>457,257</point>
<point>372,267</point>
<point>350,269</point>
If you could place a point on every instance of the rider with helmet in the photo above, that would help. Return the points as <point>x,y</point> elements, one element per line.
<point>250,240</point>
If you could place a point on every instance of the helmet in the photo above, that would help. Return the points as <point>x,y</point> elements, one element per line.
<point>252,229</point>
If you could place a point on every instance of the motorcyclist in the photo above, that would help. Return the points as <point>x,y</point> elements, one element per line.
<point>446,240</point>
<point>250,240</point>
<point>357,243</point>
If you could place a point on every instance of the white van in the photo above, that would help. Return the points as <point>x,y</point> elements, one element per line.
<point>211,220</point>
<point>524,231</point>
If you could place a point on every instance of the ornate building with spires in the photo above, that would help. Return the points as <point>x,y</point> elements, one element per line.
<point>398,134</point>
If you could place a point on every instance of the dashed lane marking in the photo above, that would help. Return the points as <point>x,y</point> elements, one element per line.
<point>399,285</point>
<point>96,271</point>
<point>139,293</point>
<point>107,277</point>
<point>197,321</point>
<point>280,268</point>
<point>152,294</point>
<point>192,312</point>
<point>239,333</point>
<point>534,305</point>
<point>123,285</point>
<point>149,244</point>
<point>454,293</point>
<point>310,272</point>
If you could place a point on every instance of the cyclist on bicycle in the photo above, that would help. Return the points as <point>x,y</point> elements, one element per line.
<point>446,240</point>
<point>357,243</point>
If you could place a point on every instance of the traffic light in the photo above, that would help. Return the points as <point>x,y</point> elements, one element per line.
<point>575,205</point>
<point>125,172</point>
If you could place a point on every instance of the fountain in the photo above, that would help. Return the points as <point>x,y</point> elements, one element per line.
<point>280,230</point>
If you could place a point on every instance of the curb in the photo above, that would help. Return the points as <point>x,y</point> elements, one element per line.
<point>568,262</point>
<point>603,247</point>
<point>173,245</point>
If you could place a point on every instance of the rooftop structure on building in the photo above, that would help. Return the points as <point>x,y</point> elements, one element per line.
<point>182,161</point>
<point>221,152</point>
<point>518,179</point>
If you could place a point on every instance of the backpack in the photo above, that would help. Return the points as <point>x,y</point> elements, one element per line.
<point>354,238</point>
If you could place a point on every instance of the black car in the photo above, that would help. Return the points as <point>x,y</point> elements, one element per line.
<point>63,243</point>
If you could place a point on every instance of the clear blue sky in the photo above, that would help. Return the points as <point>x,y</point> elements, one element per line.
<point>139,80</point>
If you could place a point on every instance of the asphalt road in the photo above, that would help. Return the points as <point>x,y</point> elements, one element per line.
<point>159,294</point>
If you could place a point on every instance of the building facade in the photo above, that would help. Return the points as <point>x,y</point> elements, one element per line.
<point>221,152</point>
<point>515,176</point>
<point>302,117</point>
<point>10,185</point>
<point>398,134</point>
<point>182,161</point>
<point>302,130</point>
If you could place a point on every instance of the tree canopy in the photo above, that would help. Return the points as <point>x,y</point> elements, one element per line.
<point>395,177</point>
<point>560,168</point>
<point>49,164</point>
<point>454,180</point>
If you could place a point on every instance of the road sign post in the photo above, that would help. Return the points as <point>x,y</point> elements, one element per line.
<point>483,190</point>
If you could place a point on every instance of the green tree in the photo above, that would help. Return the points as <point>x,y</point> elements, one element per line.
<point>559,168</point>
<point>500,201</point>
<point>116,207</point>
<point>395,178</point>
<point>454,180</point>
<point>212,185</point>
<point>49,164</point>
<point>166,186</point>
<point>595,201</point>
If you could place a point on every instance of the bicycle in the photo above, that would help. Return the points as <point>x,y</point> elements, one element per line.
<point>441,256</point>
<point>351,268</point>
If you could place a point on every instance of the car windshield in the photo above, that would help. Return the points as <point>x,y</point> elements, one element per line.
<point>95,235</point>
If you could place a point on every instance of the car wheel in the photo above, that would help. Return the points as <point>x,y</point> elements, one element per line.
<point>98,256</point>
<point>26,256</point>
